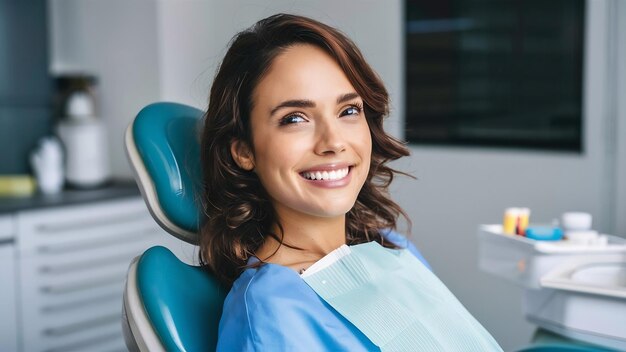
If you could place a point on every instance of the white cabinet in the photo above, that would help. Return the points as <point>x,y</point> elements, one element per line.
<point>8,311</point>
<point>71,264</point>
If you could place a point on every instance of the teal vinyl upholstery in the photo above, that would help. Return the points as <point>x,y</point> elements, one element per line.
<point>167,140</point>
<point>183,302</point>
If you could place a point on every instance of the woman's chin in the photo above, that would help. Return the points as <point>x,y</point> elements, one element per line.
<point>336,211</point>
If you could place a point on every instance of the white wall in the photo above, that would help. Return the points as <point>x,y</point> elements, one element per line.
<point>116,41</point>
<point>620,125</point>
<point>169,50</point>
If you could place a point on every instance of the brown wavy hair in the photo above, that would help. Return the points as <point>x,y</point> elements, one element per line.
<point>238,212</point>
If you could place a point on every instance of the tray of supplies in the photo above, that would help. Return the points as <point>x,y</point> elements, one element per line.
<point>525,261</point>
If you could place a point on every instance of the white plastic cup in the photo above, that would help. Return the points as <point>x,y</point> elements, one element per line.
<point>576,221</point>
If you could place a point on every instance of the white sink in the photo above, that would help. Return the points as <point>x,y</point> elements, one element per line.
<point>583,298</point>
<point>602,274</point>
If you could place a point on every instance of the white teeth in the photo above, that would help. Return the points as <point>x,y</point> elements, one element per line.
<point>326,175</point>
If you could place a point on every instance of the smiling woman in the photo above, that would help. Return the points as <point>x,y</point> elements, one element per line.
<point>298,221</point>
<point>293,101</point>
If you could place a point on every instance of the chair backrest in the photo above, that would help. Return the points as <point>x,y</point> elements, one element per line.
<point>162,144</point>
<point>181,303</point>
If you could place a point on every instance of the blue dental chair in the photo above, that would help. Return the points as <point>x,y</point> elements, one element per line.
<point>169,305</point>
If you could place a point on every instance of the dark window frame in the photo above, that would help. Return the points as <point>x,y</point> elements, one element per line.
<point>525,61</point>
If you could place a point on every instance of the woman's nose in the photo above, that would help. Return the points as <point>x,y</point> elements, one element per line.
<point>329,139</point>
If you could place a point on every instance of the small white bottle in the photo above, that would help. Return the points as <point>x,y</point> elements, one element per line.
<point>47,163</point>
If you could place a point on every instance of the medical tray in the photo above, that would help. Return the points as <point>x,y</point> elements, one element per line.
<point>525,261</point>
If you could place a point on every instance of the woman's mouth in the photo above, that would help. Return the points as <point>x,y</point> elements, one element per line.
<point>332,175</point>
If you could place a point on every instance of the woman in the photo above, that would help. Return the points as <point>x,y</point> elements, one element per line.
<point>294,158</point>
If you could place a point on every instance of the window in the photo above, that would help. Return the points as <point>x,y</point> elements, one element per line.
<point>502,73</point>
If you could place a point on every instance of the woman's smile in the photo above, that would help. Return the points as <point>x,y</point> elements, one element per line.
<point>328,176</point>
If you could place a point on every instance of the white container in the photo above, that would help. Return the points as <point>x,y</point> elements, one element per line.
<point>576,221</point>
<point>86,162</point>
<point>524,261</point>
<point>85,140</point>
<point>47,163</point>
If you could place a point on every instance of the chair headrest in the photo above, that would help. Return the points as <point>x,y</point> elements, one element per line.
<point>162,145</point>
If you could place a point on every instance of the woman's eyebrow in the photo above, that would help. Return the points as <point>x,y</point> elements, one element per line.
<point>346,97</point>
<point>296,103</point>
<point>305,103</point>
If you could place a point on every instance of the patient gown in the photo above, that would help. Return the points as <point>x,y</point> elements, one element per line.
<point>272,308</point>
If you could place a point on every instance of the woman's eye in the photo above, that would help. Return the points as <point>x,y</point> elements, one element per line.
<point>352,110</point>
<point>291,119</point>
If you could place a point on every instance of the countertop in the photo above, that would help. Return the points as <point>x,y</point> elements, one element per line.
<point>113,190</point>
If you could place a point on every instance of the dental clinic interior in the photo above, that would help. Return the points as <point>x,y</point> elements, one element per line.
<point>514,112</point>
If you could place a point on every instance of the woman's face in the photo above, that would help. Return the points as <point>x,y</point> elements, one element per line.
<point>312,143</point>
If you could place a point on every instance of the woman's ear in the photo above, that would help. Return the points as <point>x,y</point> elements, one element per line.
<point>242,154</point>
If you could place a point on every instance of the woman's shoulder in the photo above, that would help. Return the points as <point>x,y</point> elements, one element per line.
<point>264,282</point>
<point>402,241</point>
<point>396,238</point>
<point>272,308</point>
<point>252,307</point>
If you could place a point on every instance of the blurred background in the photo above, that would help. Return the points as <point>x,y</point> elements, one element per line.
<point>503,103</point>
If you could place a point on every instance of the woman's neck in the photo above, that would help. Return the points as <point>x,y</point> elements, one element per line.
<point>311,237</point>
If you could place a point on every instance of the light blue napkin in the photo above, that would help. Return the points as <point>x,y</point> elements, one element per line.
<point>398,303</point>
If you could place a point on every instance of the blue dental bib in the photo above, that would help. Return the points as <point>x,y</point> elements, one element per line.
<point>394,300</point>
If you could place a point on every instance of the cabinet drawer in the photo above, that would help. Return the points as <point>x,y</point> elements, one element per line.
<point>8,312</point>
<point>73,264</point>
<point>87,224</point>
